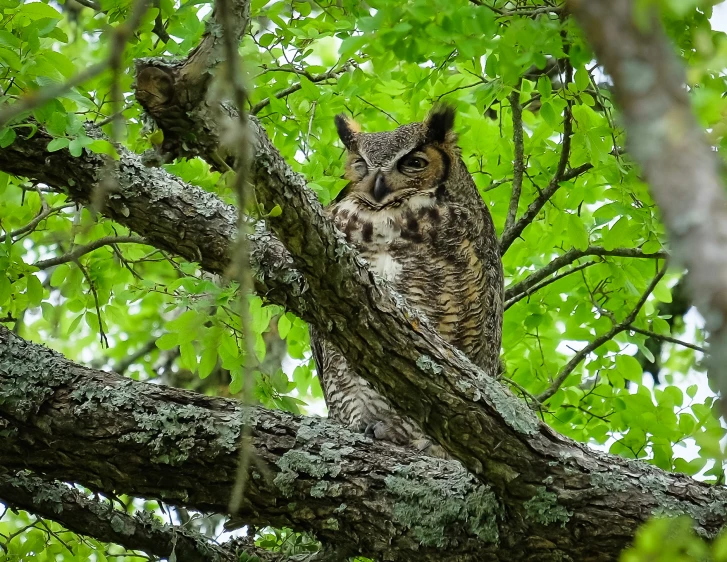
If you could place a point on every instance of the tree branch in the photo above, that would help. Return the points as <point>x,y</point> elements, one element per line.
<point>682,170</point>
<point>332,73</point>
<point>519,157</point>
<point>547,282</point>
<point>525,287</point>
<point>115,435</point>
<point>669,339</point>
<point>87,516</point>
<point>600,340</point>
<point>509,235</point>
<point>79,251</point>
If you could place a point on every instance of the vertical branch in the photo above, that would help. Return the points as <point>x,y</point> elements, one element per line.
<point>669,144</point>
<point>241,262</point>
<point>509,235</point>
<point>519,157</point>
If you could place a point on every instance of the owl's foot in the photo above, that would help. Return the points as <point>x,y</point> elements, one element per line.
<point>384,431</point>
<point>430,449</point>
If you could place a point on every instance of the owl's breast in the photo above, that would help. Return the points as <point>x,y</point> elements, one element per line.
<point>390,238</point>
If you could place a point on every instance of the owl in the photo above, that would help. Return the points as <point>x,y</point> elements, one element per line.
<point>413,212</point>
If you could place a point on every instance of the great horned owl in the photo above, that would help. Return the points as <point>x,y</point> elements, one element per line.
<point>413,212</point>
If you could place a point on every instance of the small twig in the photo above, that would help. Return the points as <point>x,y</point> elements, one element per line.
<point>519,159</point>
<point>110,118</point>
<point>389,115</point>
<point>333,73</point>
<point>90,4</point>
<point>495,184</point>
<point>569,257</point>
<point>92,285</point>
<point>599,341</point>
<point>44,214</point>
<point>537,287</point>
<point>87,248</point>
<point>669,339</point>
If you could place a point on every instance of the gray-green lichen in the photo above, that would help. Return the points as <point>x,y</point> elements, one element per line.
<point>437,507</point>
<point>513,410</point>
<point>319,489</point>
<point>29,374</point>
<point>543,508</point>
<point>331,523</point>
<point>169,430</point>
<point>294,463</point>
<point>428,365</point>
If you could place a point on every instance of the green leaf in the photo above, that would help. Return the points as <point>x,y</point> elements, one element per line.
<point>58,144</point>
<point>167,341</point>
<point>7,137</point>
<point>582,80</point>
<point>35,291</point>
<point>207,362</point>
<point>101,146</point>
<point>284,325</point>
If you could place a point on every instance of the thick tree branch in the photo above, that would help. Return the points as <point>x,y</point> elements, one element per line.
<point>669,144</point>
<point>118,436</point>
<point>88,516</point>
<point>562,499</point>
<point>115,435</point>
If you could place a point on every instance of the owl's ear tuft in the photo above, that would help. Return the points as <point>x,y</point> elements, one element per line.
<point>347,129</point>
<point>439,124</point>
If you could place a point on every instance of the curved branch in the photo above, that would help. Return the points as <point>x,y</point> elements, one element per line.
<point>79,251</point>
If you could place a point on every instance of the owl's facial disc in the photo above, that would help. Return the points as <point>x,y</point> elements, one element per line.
<point>409,172</point>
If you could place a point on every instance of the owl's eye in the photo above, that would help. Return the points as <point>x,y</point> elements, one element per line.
<point>360,166</point>
<point>414,163</point>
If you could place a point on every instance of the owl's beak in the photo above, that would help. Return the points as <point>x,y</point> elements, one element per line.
<point>380,187</point>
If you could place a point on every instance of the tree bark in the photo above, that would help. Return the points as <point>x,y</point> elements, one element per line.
<point>533,495</point>
<point>116,436</point>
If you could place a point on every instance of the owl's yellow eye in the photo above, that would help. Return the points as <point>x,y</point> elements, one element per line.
<point>413,163</point>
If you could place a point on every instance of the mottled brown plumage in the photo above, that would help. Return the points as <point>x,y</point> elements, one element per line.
<point>413,211</point>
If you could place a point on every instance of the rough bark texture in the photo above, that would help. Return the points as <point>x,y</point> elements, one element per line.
<point>171,214</point>
<point>665,138</point>
<point>85,515</point>
<point>534,495</point>
<point>115,435</point>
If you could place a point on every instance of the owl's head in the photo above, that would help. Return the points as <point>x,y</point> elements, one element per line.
<point>386,168</point>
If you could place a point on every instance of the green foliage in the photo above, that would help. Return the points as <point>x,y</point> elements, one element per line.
<point>674,540</point>
<point>25,537</point>
<point>139,310</point>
